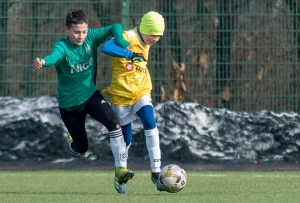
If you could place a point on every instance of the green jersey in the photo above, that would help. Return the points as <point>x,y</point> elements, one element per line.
<point>76,66</point>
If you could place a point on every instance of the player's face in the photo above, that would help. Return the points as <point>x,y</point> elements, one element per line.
<point>150,39</point>
<point>77,33</point>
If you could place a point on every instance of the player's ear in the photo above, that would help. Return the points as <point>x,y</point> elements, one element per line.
<point>66,29</point>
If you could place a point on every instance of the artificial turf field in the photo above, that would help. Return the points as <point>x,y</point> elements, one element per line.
<point>70,186</point>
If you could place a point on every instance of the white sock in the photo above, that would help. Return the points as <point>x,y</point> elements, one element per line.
<point>118,148</point>
<point>152,142</point>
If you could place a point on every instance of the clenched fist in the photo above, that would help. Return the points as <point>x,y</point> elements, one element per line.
<point>38,63</point>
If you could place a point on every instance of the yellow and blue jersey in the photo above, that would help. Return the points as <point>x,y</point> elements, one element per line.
<point>130,81</point>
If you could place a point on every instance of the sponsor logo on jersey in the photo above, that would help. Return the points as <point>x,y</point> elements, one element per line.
<point>81,66</point>
<point>129,67</point>
<point>141,70</point>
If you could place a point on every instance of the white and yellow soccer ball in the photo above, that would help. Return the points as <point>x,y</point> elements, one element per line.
<point>172,178</point>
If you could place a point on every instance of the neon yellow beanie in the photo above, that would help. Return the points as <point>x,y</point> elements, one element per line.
<point>152,24</point>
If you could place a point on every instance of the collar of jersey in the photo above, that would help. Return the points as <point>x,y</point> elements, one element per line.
<point>140,35</point>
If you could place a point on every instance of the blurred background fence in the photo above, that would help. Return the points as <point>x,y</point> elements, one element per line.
<point>242,55</point>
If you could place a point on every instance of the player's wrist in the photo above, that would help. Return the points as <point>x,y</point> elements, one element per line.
<point>42,61</point>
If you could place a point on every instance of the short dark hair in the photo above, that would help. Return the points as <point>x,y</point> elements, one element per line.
<point>75,16</point>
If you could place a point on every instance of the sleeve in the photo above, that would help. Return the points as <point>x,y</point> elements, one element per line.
<point>55,56</point>
<point>101,34</point>
<point>117,31</point>
<point>112,49</point>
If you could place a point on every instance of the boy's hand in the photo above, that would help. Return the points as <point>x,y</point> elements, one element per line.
<point>38,63</point>
<point>137,57</point>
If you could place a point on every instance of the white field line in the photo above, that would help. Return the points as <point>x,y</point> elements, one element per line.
<point>254,175</point>
<point>70,174</point>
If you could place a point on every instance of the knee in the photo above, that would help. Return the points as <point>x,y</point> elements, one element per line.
<point>113,124</point>
<point>149,124</point>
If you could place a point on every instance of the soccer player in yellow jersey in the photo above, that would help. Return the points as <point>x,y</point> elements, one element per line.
<point>130,86</point>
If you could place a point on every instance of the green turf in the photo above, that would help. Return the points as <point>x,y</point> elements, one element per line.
<point>68,186</point>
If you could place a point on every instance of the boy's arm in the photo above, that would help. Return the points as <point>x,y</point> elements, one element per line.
<point>50,60</point>
<point>101,35</point>
<point>56,55</point>
<point>112,49</point>
<point>117,31</point>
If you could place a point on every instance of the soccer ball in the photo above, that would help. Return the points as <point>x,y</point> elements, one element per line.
<point>172,178</point>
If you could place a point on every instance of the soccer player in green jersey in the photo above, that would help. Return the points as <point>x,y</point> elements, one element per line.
<point>75,60</point>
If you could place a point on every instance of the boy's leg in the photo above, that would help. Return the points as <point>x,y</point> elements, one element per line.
<point>100,110</point>
<point>74,119</point>
<point>126,116</point>
<point>146,113</point>
<point>127,133</point>
<point>122,174</point>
